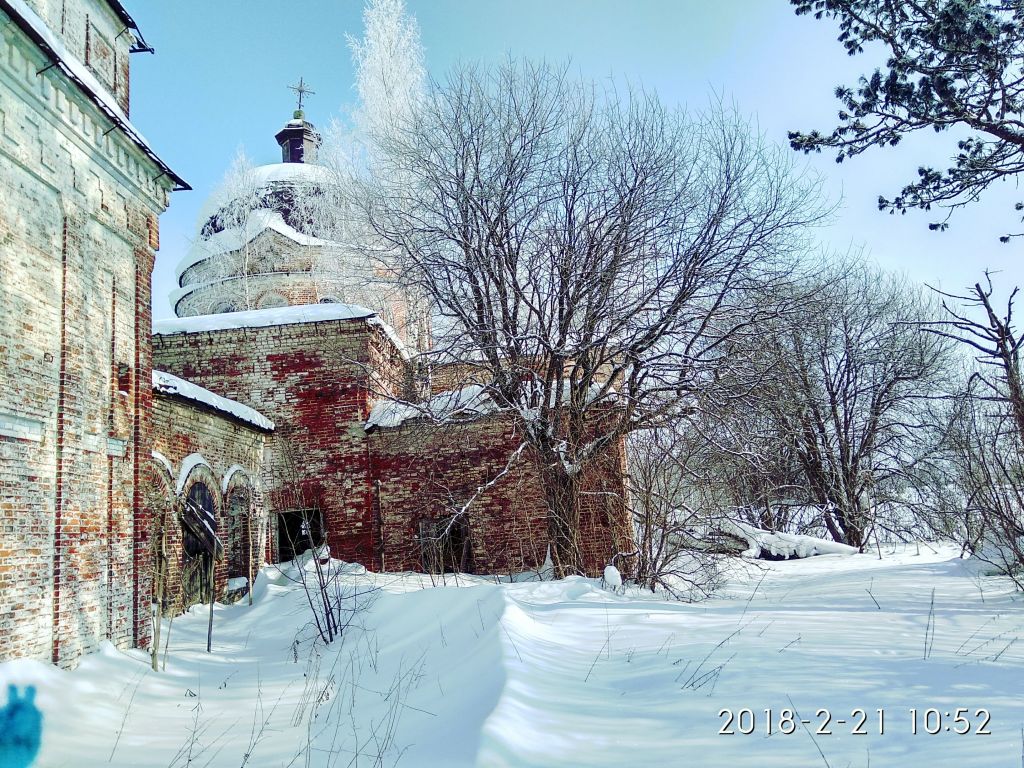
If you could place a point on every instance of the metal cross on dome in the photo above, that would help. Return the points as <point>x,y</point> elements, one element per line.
<point>301,89</point>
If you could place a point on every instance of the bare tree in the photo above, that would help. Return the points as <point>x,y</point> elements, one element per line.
<point>985,441</point>
<point>852,372</point>
<point>679,500</point>
<point>583,251</point>
<point>977,490</point>
<point>994,340</point>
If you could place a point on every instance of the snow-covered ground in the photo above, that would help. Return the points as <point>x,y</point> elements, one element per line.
<point>566,673</point>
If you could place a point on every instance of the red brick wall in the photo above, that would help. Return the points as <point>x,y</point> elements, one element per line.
<point>311,379</point>
<point>317,382</point>
<point>422,471</point>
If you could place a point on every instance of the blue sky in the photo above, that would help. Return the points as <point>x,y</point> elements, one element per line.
<point>219,81</point>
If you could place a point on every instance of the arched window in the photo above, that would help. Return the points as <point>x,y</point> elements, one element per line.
<point>239,536</point>
<point>271,300</point>
<point>221,307</point>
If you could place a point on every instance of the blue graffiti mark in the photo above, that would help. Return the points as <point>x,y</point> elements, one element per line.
<point>21,727</point>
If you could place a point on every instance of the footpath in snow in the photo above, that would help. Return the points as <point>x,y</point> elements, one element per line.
<point>564,673</point>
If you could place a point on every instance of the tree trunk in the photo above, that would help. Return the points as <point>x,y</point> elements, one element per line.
<point>209,629</point>
<point>563,497</point>
<point>159,588</point>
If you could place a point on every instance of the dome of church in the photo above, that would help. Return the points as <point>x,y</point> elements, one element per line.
<point>266,237</point>
<point>277,235</point>
<point>274,186</point>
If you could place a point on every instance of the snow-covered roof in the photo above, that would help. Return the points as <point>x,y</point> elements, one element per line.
<point>172,385</point>
<point>53,46</point>
<point>235,238</point>
<point>262,318</point>
<point>468,402</point>
<point>392,334</point>
<point>261,176</point>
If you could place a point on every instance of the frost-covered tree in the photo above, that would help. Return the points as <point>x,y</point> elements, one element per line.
<point>389,64</point>
<point>390,75</point>
<point>583,251</point>
<point>948,64</point>
<point>224,242</point>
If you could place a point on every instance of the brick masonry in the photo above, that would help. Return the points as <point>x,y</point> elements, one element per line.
<point>422,472</point>
<point>312,380</point>
<point>194,444</point>
<point>90,459</point>
<point>79,206</point>
<point>318,381</point>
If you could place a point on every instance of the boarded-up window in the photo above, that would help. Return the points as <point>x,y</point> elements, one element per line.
<point>200,544</point>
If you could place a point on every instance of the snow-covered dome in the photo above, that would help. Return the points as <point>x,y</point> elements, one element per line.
<point>277,180</point>
<point>268,236</point>
<point>291,198</point>
<point>278,235</point>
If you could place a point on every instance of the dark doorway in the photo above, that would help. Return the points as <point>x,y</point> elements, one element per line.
<point>445,545</point>
<point>297,531</point>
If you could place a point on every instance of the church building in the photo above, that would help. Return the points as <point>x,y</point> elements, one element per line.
<point>388,475</point>
<point>283,407</point>
<point>80,195</point>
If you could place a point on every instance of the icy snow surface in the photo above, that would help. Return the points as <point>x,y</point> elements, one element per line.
<point>467,402</point>
<point>784,544</point>
<point>172,385</point>
<point>612,577</point>
<point>564,674</point>
<point>262,318</point>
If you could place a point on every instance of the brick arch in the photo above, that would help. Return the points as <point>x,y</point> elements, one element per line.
<point>239,506</point>
<point>192,572</point>
<point>203,473</point>
<point>160,534</point>
<point>272,299</point>
<point>158,502</point>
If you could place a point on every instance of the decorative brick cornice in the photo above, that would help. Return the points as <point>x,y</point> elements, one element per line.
<point>29,71</point>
